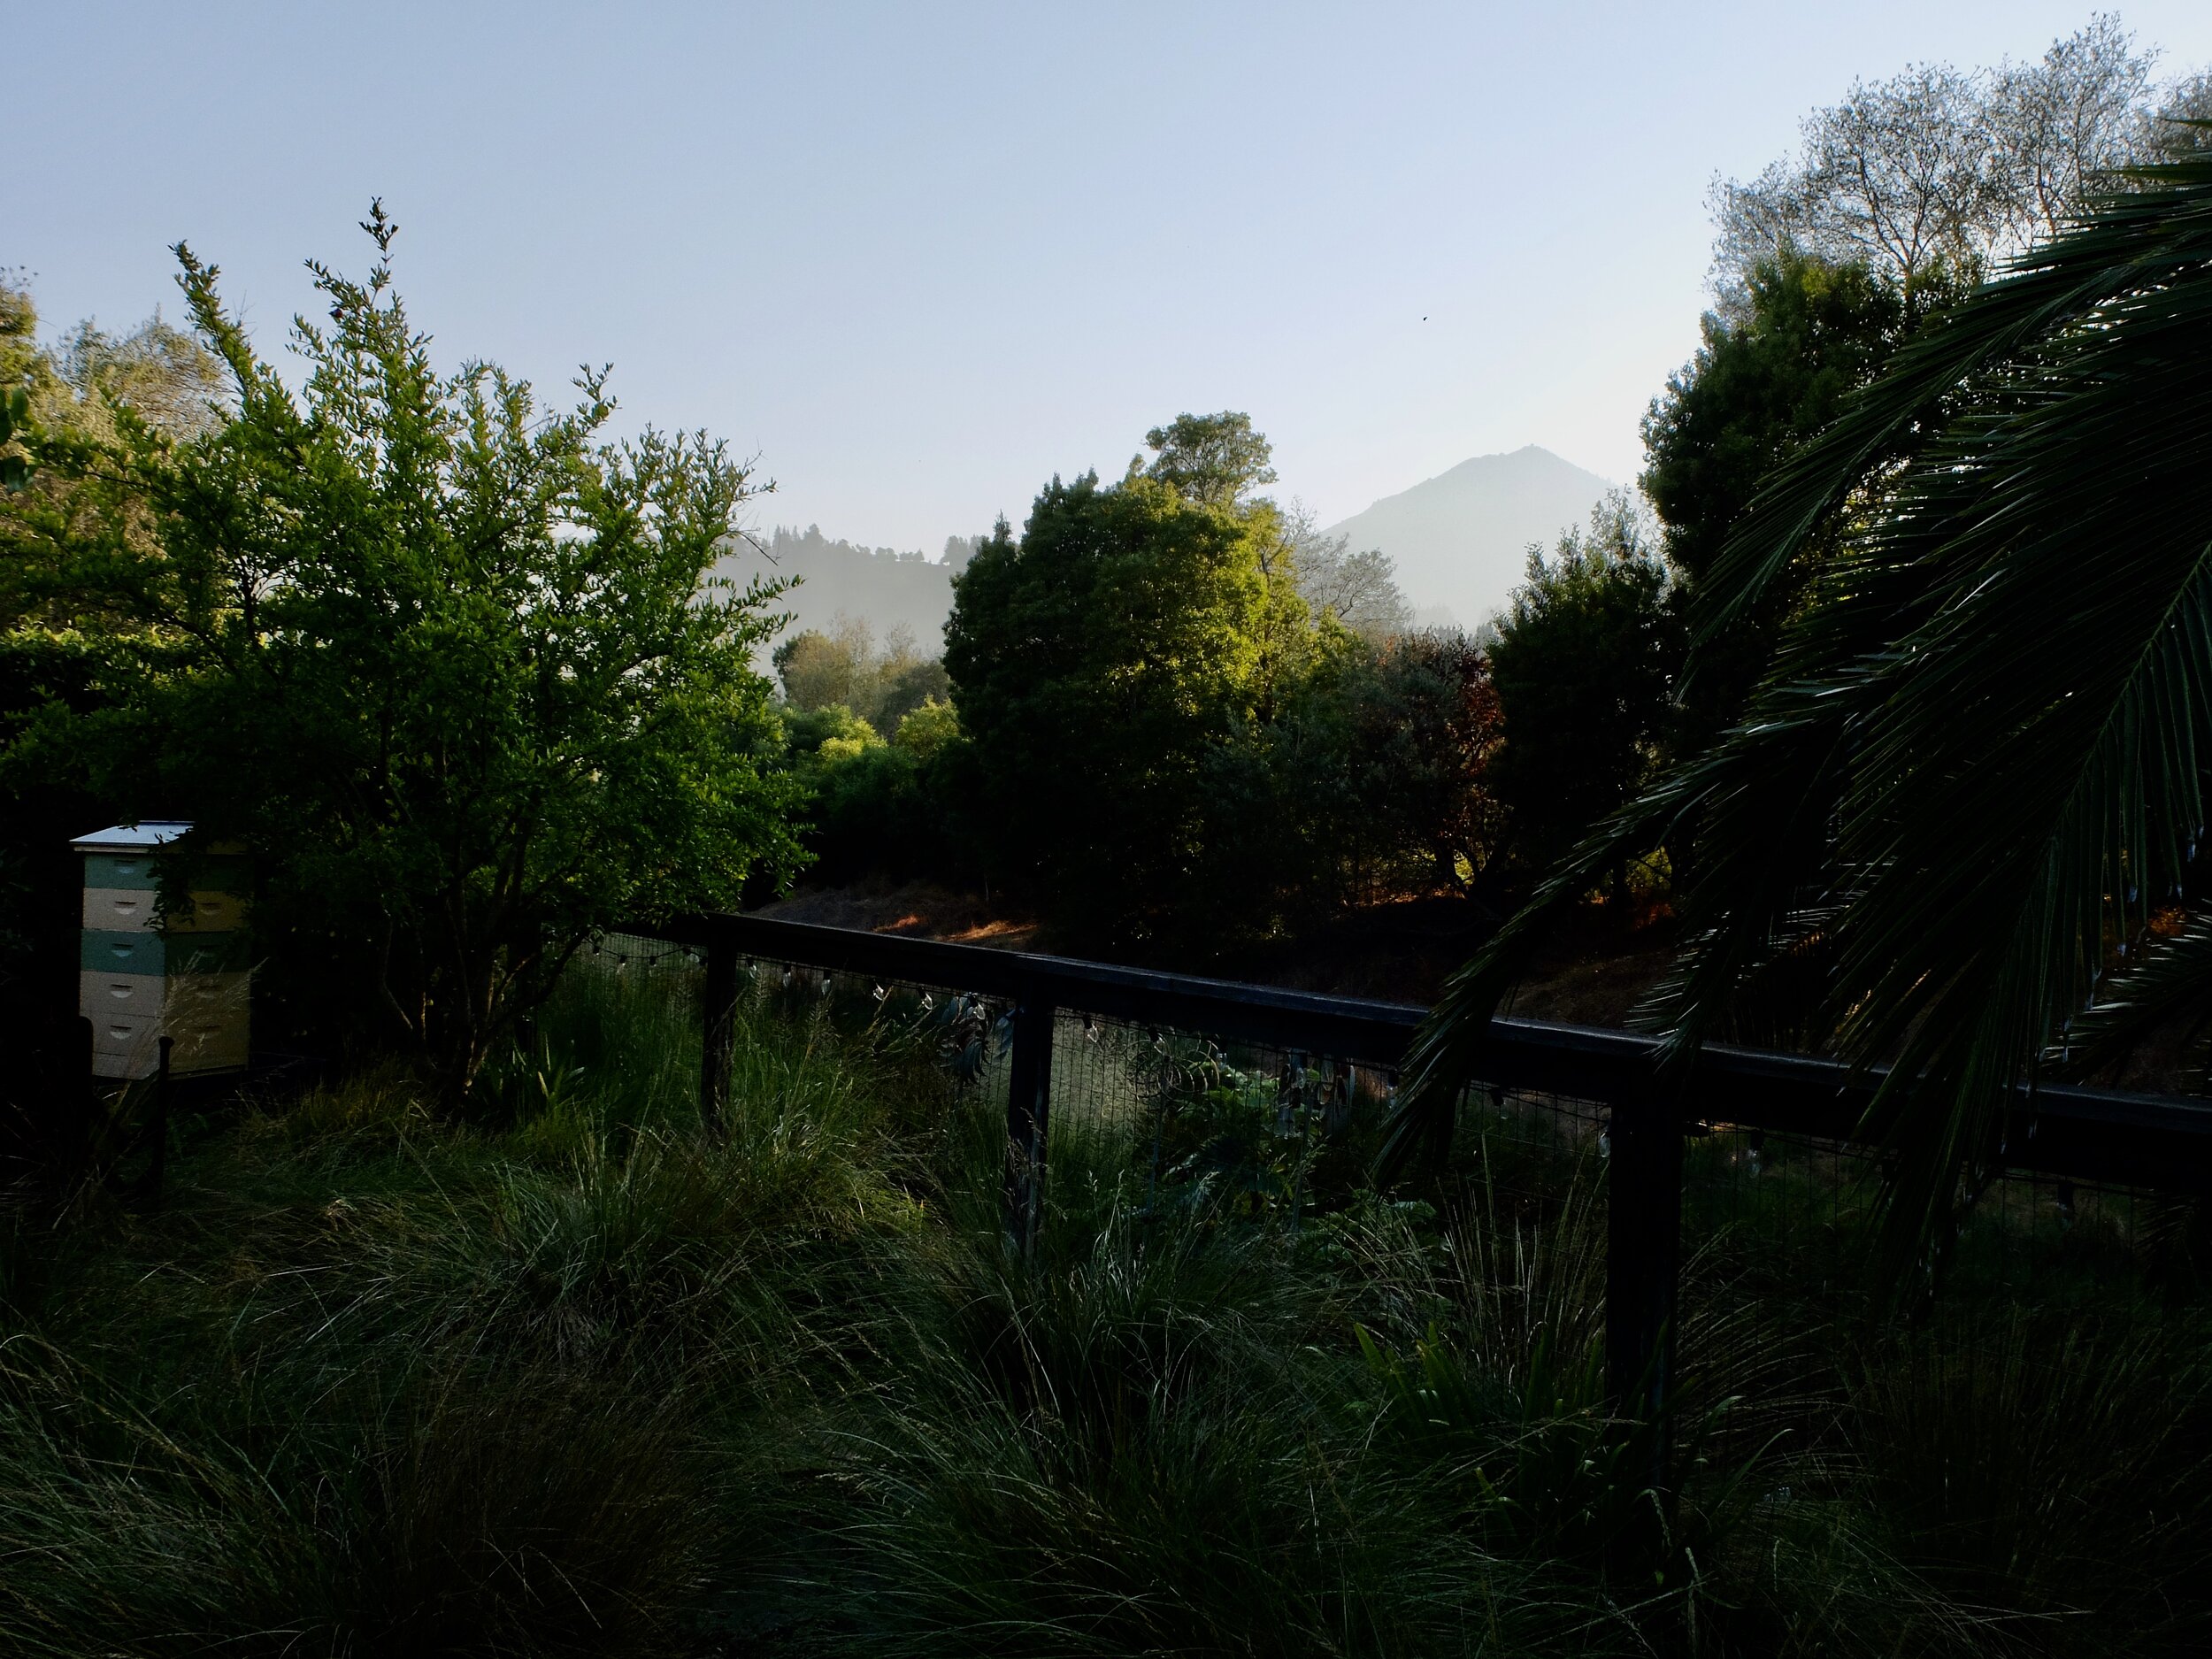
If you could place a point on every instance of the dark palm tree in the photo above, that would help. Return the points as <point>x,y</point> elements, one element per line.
<point>1975,769</point>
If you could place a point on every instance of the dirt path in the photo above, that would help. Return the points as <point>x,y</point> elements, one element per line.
<point>1397,952</point>
<point>918,908</point>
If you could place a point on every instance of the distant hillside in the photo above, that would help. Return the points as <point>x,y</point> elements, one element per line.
<point>1460,543</point>
<point>1461,540</point>
<point>881,586</point>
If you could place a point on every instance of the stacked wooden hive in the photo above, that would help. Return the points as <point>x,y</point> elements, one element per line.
<point>152,968</point>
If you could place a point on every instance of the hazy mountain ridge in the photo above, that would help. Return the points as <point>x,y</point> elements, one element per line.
<point>883,587</point>
<point>1460,540</point>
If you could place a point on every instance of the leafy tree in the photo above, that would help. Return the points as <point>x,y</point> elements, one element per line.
<point>844,666</point>
<point>2067,124</point>
<point>929,730</point>
<point>1762,385</point>
<point>905,687</point>
<point>827,735</point>
<point>1930,176</point>
<point>1901,177</point>
<point>1582,664</point>
<point>818,670</point>
<point>1973,775</point>
<point>80,582</point>
<point>1096,666</point>
<point>1371,779</point>
<point>15,411</point>
<point>1167,745</point>
<point>1767,380</point>
<point>19,329</point>
<point>1424,730</point>
<point>161,374</point>
<point>1359,589</point>
<point>442,660</point>
<point>1217,461</point>
<point>1429,735</point>
<point>877,808</point>
<point>1901,197</point>
<point>93,417</point>
<point>1155,735</point>
<point>1214,460</point>
<point>2182,125</point>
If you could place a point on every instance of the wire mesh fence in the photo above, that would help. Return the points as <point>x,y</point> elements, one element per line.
<point>1186,1112</point>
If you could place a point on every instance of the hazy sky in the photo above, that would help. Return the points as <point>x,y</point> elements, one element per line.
<point>920,257</point>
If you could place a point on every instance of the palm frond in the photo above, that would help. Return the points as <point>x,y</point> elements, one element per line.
<point>2140,237</point>
<point>2171,983</point>
<point>1445,1052</point>
<point>1980,743</point>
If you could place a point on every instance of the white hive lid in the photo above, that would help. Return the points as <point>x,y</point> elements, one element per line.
<point>146,836</point>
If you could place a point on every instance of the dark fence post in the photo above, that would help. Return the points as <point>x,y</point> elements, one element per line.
<point>1643,1252</point>
<point>1028,1117</point>
<point>717,1011</point>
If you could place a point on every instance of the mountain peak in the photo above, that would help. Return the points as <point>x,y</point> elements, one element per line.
<point>1461,539</point>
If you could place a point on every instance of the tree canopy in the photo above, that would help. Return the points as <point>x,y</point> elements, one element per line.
<point>1937,173</point>
<point>1214,460</point>
<point>1360,589</point>
<point>1762,383</point>
<point>1096,663</point>
<point>1583,663</point>
<point>1770,375</point>
<point>440,656</point>
<point>1969,782</point>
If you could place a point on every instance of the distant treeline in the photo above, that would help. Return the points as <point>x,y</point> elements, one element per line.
<point>883,587</point>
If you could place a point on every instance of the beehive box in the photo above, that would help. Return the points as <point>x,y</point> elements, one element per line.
<point>150,971</point>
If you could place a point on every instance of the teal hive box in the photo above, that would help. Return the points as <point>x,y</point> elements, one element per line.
<point>149,970</point>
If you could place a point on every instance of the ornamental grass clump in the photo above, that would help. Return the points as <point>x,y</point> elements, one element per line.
<point>580,1374</point>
